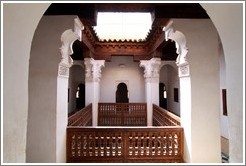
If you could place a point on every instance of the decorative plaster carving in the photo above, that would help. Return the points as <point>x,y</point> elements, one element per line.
<point>180,42</point>
<point>184,70</point>
<point>88,69</point>
<point>93,69</point>
<point>139,48</point>
<point>78,28</point>
<point>63,70</point>
<point>68,37</point>
<point>152,69</point>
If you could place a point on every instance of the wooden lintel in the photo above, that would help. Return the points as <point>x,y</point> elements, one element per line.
<point>157,42</point>
<point>160,22</point>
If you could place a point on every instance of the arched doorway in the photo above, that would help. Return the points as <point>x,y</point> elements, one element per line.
<point>76,87</point>
<point>162,95</point>
<point>80,96</point>
<point>122,93</point>
<point>228,49</point>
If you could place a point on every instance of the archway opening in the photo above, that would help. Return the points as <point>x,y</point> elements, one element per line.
<point>80,96</point>
<point>76,88</point>
<point>122,93</point>
<point>162,95</point>
<point>169,88</point>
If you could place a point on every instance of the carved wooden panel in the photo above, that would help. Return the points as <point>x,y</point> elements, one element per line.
<point>122,114</point>
<point>82,117</point>
<point>162,144</point>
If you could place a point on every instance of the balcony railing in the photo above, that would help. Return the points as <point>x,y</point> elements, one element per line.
<point>124,144</point>
<point>82,117</point>
<point>122,114</point>
<point>162,117</point>
<point>117,144</point>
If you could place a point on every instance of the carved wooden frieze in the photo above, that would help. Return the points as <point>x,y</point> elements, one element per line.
<point>140,49</point>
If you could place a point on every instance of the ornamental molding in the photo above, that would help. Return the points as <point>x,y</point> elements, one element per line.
<point>78,28</point>
<point>93,69</point>
<point>151,69</point>
<point>68,37</point>
<point>184,70</point>
<point>180,42</point>
<point>63,70</point>
<point>136,47</point>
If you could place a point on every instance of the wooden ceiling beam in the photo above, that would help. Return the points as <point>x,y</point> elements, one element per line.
<point>140,50</point>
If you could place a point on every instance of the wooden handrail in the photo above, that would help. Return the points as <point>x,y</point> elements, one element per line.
<point>118,144</point>
<point>82,117</point>
<point>162,117</point>
<point>122,114</point>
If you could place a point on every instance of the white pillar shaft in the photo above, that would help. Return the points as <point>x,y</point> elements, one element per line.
<point>149,104</point>
<point>92,96</point>
<point>151,74</point>
<point>92,85</point>
<point>155,92</point>
<point>152,97</point>
<point>61,118</point>
<point>185,114</point>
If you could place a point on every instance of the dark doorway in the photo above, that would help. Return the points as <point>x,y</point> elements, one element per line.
<point>122,93</point>
<point>80,96</point>
<point>162,96</point>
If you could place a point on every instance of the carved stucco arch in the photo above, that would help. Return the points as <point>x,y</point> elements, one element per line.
<point>182,50</point>
<point>68,37</point>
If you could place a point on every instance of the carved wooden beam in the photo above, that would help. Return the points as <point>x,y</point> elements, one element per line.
<point>139,49</point>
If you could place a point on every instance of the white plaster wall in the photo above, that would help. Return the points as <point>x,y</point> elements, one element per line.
<point>18,29</point>
<point>169,76</point>
<point>202,43</point>
<point>61,120</point>
<point>173,82</point>
<point>163,75</point>
<point>16,66</point>
<point>132,75</point>
<point>231,35</point>
<point>223,118</point>
<point>76,77</point>
<point>43,71</point>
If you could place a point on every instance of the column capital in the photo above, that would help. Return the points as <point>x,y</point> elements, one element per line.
<point>93,69</point>
<point>152,69</point>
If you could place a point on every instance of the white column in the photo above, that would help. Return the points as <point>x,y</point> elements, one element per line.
<point>68,37</point>
<point>151,74</point>
<point>62,112</point>
<point>92,85</point>
<point>185,109</point>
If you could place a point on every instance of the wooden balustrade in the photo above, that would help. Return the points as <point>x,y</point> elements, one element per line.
<point>162,117</point>
<point>122,114</point>
<point>82,117</point>
<point>117,144</point>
